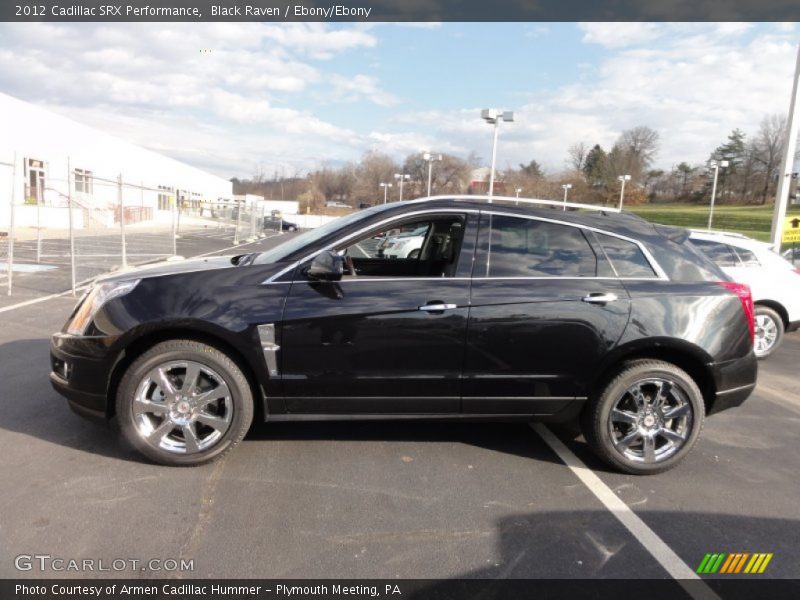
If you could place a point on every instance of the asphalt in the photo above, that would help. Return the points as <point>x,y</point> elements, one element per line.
<point>381,500</point>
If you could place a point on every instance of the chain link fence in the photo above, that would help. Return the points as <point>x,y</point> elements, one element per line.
<point>86,224</point>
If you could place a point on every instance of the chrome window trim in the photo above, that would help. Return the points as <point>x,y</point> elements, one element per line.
<point>429,211</point>
<point>659,272</point>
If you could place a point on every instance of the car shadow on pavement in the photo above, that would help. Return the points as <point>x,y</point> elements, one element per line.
<point>515,438</point>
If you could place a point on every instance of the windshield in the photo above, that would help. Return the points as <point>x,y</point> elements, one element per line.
<point>292,245</point>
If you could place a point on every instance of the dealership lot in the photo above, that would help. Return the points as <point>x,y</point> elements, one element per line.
<point>381,499</point>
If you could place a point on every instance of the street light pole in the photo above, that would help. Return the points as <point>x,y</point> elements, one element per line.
<point>401,177</point>
<point>385,187</point>
<point>493,117</point>
<point>430,158</point>
<point>622,179</point>
<point>566,187</point>
<point>716,165</point>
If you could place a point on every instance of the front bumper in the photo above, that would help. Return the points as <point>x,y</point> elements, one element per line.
<point>734,381</point>
<point>80,371</point>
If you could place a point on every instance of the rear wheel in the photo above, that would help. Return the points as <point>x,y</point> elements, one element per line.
<point>769,331</point>
<point>646,419</point>
<point>413,254</point>
<point>184,403</point>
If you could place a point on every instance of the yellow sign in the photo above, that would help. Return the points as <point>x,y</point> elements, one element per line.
<point>791,230</point>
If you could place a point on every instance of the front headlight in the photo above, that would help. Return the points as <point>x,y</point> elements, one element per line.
<point>95,299</point>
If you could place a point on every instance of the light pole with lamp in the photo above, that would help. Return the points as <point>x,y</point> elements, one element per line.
<point>401,177</point>
<point>430,158</point>
<point>715,165</point>
<point>493,117</point>
<point>622,179</point>
<point>385,187</point>
<point>566,187</point>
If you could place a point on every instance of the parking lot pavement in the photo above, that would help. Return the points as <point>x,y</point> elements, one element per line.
<point>382,499</point>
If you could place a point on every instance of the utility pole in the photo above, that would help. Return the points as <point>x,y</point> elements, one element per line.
<point>787,165</point>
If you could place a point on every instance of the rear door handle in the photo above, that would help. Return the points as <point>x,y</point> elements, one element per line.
<point>599,298</point>
<point>438,307</point>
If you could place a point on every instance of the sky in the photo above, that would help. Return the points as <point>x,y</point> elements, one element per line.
<point>239,98</point>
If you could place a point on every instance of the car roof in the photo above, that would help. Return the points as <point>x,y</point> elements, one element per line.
<point>733,239</point>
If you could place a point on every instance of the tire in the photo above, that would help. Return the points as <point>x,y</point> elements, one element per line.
<point>413,254</point>
<point>769,331</point>
<point>179,426</point>
<point>622,439</point>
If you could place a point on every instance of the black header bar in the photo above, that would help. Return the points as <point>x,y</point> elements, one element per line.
<point>374,11</point>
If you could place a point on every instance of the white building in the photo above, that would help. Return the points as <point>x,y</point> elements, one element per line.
<point>56,158</point>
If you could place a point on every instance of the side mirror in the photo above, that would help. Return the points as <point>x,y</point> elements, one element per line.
<point>326,266</point>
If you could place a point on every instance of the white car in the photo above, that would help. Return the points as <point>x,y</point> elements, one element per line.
<point>403,245</point>
<point>773,281</point>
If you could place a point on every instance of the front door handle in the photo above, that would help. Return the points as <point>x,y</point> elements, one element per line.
<point>600,298</point>
<point>438,307</point>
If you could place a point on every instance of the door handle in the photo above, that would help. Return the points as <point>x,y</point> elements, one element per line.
<point>438,307</point>
<point>599,298</point>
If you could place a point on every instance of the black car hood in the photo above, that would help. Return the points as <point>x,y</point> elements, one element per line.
<point>172,267</point>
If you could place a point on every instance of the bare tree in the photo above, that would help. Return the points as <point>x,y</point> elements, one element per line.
<point>768,148</point>
<point>577,155</point>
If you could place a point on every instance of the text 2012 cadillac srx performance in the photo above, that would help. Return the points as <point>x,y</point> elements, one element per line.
<point>511,309</point>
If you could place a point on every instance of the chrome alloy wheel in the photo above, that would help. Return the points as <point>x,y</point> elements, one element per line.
<point>182,407</point>
<point>766,334</point>
<point>651,421</point>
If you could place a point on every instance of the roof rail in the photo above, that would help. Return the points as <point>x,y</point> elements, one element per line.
<point>512,199</point>
<point>732,234</point>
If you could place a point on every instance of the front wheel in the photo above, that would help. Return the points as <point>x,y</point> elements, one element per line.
<point>769,331</point>
<point>184,403</point>
<point>646,419</point>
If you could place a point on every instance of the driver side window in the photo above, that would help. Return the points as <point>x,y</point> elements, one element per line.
<point>418,248</point>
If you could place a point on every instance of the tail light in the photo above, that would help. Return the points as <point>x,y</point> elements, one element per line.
<point>743,291</point>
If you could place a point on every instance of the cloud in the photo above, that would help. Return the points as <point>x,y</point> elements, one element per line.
<point>359,87</point>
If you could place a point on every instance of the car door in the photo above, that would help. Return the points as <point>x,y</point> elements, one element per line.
<point>546,307</point>
<point>389,337</point>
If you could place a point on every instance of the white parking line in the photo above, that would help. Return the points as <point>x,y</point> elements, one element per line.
<point>81,288</point>
<point>648,538</point>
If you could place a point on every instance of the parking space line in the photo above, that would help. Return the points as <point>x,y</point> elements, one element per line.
<point>648,538</point>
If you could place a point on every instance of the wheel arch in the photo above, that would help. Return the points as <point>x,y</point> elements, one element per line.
<point>684,355</point>
<point>777,307</point>
<point>141,343</point>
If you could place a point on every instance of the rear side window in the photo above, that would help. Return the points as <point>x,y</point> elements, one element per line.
<point>721,254</point>
<point>747,258</point>
<point>530,248</point>
<point>627,258</point>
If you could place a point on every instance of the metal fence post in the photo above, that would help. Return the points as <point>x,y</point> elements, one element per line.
<point>174,230</point>
<point>38,217</point>
<point>71,228</point>
<point>238,222</point>
<point>120,197</point>
<point>11,230</point>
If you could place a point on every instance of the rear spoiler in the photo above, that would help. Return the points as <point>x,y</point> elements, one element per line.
<point>674,234</point>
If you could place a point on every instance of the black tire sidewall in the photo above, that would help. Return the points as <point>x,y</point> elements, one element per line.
<point>596,429</point>
<point>178,350</point>
<point>760,309</point>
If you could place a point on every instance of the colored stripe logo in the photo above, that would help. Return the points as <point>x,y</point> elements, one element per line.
<point>733,563</point>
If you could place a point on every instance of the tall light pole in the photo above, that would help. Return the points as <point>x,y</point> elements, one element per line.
<point>493,117</point>
<point>430,158</point>
<point>385,187</point>
<point>715,165</point>
<point>566,187</point>
<point>622,179</point>
<point>401,177</point>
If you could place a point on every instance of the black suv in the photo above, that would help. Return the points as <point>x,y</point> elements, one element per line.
<point>511,309</point>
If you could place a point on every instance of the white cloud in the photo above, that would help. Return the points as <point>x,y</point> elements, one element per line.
<point>617,35</point>
<point>360,87</point>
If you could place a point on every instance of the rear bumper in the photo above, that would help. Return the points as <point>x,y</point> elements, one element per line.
<point>80,369</point>
<point>734,381</point>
